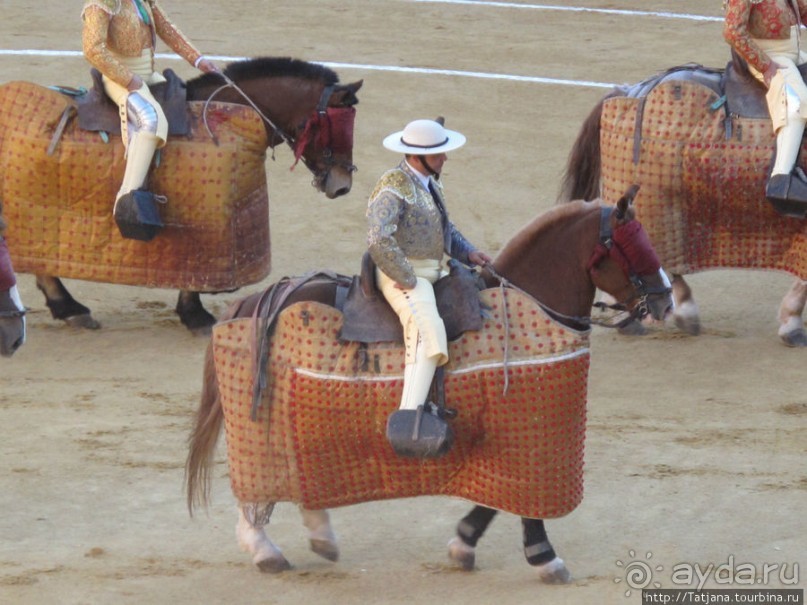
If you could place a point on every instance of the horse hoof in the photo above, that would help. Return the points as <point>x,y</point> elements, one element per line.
<point>83,321</point>
<point>274,564</point>
<point>461,553</point>
<point>632,328</point>
<point>554,572</point>
<point>688,325</point>
<point>203,331</point>
<point>325,549</point>
<point>795,338</point>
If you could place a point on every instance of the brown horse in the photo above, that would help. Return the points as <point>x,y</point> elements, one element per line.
<point>549,271</point>
<point>699,143</point>
<point>12,312</point>
<point>261,103</point>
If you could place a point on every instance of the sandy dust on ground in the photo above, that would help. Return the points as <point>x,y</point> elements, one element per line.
<point>696,446</point>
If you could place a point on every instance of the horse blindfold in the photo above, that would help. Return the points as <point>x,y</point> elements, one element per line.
<point>330,129</point>
<point>631,249</point>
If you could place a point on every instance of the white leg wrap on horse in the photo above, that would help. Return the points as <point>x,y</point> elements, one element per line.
<point>320,533</point>
<point>461,553</point>
<point>554,572</point>
<point>253,539</point>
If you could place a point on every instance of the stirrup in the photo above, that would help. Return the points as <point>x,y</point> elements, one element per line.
<point>440,412</point>
<point>419,433</point>
<point>137,216</point>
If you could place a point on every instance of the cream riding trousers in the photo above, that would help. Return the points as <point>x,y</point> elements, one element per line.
<point>143,67</point>
<point>787,86</point>
<point>417,310</point>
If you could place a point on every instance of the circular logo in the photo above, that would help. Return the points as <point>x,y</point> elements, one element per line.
<point>637,574</point>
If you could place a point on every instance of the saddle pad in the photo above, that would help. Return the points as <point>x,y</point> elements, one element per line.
<point>702,197</point>
<point>59,207</point>
<point>319,439</point>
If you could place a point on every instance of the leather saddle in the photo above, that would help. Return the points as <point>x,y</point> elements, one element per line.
<point>97,112</point>
<point>368,317</point>
<point>739,93</point>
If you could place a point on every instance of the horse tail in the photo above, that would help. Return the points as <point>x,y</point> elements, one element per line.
<point>203,439</point>
<point>581,178</point>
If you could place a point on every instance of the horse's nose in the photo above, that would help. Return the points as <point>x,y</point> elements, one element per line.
<point>339,192</point>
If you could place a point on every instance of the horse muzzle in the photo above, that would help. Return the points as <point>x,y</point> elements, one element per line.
<point>336,181</point>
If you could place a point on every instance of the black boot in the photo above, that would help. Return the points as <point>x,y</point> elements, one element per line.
<point>137,216</point>
<point>788,194</point>
<point>419,433</point>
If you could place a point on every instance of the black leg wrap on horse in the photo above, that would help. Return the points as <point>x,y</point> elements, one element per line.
<point>537,548</point>
<point>788,195</point>
<point>474,524</point>
<point>137,216</point>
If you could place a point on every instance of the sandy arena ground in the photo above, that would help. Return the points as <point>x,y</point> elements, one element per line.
<point>696,446</point>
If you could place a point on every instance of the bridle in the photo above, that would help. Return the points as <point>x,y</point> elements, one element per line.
<point>13,314</point>
<point>7,282</point>
<point>607,247</point>
<point>319,119</point>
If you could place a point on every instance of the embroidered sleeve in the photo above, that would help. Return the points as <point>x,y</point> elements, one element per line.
<point>460,247</point>
<point>110,6</point>
<point>383,213</point>
<point>735,32</point>
<point>170,34</point>
<point>93,40</point>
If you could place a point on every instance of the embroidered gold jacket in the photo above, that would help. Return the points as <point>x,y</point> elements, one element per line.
<point>761,19</point>
<point>115,27</point>
<point>404,222</point>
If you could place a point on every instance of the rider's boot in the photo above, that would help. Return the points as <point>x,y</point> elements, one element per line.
<point>418,429</point>
<point>136,212</point>
<point>788,194</point>
<point>786,188</point>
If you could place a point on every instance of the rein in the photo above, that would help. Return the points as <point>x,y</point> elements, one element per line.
<point>297,145</point>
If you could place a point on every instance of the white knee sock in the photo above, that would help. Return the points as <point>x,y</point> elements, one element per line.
<point>788,139</point>
<point>418,379</point>
<point>139,154</point>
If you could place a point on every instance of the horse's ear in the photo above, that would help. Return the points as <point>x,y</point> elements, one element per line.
<point>345,94</point>
<point>625,201</point>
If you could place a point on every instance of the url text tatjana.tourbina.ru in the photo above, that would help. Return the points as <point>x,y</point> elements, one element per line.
<point>729,596</point>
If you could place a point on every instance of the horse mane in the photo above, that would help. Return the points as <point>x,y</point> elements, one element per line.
<point>271,67</point>
<point>546,221</point>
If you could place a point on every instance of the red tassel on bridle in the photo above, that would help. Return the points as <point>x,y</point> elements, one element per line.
<point>331,129</point>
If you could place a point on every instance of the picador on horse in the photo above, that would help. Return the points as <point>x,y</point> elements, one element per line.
<point>118,38</point>
<point>765,34</point>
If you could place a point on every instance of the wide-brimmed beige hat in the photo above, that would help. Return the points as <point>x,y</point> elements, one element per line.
<point>424,137</point>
